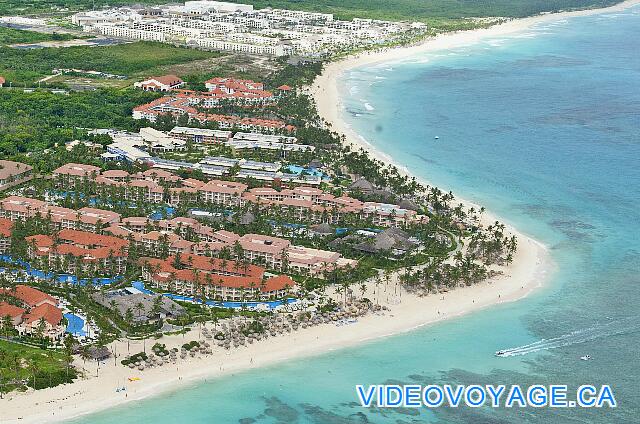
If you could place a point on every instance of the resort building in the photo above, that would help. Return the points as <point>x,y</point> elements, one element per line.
<point>140,147</point>
<point>215,279</point>
<point>38,313</point>
<point>239,146</point>
<point>5,235</point>
<point>264,138</point>
<point>164,83</point>
<point>69,174</point>
<point>75,251</point>
<point>15,313</point>
<point>231,85</point>
<point>239,28</point>
<point>257,141</point>
<point>262,171</point>
<point>17,208</point>
<point>225,193</point>
<point>268,250</point>
<point>45,319</point>
<point>200,135</point>
<point>185,104</point>
<point>169,237</point>
<point>149,186</point>
<point>155,242</point>
<point>126,146</point>
<point>13,173</point>
<point>314,204</point>
<point>159,142</point>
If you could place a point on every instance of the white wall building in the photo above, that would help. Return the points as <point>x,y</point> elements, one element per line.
<point>239,28</point>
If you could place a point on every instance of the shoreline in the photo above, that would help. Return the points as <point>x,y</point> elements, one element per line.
<point>532,265</point>
<point>325,91</point>
<point>529,270</point>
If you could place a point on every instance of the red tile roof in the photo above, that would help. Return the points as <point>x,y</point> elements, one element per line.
<point>5,227</point>
<point>210,270</point>
<point>279,282</point>
<point>92,239</point>
<point>76,169</point>
<point>228,187</point>
<point>89,246</point>
<point>29,295</point>
<point>49,313</point>
<point>168,80</point>
<point>207,264</point>
<point>9,168</point>
<point>179,105</point>
<point>115,173</point>
<point>12,311</point>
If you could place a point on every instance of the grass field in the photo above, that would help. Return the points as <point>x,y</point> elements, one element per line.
<point>27,66</point>
<point>19,364</point>
<point>14,36</point>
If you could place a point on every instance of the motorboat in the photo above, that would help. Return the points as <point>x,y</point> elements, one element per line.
<point>585,357</point>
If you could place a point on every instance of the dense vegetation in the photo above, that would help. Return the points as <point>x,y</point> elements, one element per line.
<point>294,75</point>
<point>30,122</point>
<point>26,66</point>
<point>22,366</point>
<point>424,10</point>
<point>13,36</point>
<point>25,7</point>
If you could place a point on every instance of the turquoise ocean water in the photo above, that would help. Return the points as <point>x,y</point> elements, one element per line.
<point>543,128</point>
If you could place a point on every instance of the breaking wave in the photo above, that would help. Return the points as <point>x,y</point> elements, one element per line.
<point>612,328</point>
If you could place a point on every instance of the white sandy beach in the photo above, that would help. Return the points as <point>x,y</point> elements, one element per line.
<point>527,273</point>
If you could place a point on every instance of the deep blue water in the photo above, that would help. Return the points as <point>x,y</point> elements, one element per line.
<point>543,128</point>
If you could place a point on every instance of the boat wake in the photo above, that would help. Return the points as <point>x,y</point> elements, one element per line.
<point>612,328</point>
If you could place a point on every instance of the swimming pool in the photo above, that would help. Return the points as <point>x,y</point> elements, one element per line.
<point>75,325</point>
<point>60,278</point>
<point>139,285</point>
<point>297,169</point>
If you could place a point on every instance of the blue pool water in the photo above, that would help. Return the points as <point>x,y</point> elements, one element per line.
<point>60,278</point>
<point>139,285</point>
<point>165,212</point>
<point>297,169</point>
<point>75,325</point>
<point>543,128</point>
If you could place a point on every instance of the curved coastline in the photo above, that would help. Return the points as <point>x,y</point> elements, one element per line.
<point>526,274</point>
<point>531,267</point>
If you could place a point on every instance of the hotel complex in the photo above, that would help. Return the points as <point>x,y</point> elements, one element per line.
<point>239,28</point>
<point>37,314</point>
<point>160,186</point>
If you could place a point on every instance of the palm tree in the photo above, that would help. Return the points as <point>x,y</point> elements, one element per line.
<point>68,351</point>
<point>33,367</point>
<point>7,324</point>
<point>40,329</point>
<point>363,290</point>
